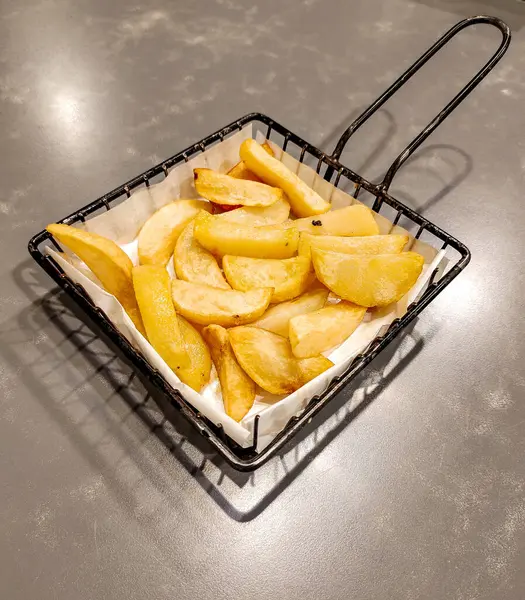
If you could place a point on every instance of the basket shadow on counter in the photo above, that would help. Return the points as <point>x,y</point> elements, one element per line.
<point>55,311</point>
<point>67,340</point>
<point>421,168</point>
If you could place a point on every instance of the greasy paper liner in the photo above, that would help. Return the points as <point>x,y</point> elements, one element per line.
<point>122,224</point>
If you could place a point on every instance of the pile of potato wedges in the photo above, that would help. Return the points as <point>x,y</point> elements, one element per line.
<point>267,278</point>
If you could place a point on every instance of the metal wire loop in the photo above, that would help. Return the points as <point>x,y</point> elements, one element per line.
<point>409,73</point>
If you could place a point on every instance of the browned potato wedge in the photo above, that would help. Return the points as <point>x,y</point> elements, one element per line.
<point>318,331</point>
<point>207,305</point>
<point>368,280</point>
<point>152,288</point>
<point>267,358</point>
<point>310,368</point>
<point>197,375</point>
<point>221,237</point>
<point>160,232</point>
<point>258,216</point>
<point>223,189</point>
<point>371,244</point>
<point>303,200</point>
<point>238,390</point>
<point>241,171</point>
<point>288,277</point>
<point>276,318</point>
<point>349,221</point>
<point>194,263</point>
<point>109,263</point>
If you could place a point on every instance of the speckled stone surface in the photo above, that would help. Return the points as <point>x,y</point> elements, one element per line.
<point>412,486</point>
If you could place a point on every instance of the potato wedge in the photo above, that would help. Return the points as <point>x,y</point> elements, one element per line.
<point>267,358</point>
<point>194,263</point>
<point>257,216</point>
<point>303,200</point>
<point>197,375</point>
<point>220,188</point>
<point>160,232</point>
<point>238,390</point>
<point>371,244</point>
<point>288,277</point>
<point>207,305</point>
<point>310,368</point>
<point>368,280</point>
<point>109,263</point>
<point>152,288</point>
<point>276,318</point>
<point>356,220</point>
<point>241,171</point>
<point>221,237</point>
<point>318,331</point>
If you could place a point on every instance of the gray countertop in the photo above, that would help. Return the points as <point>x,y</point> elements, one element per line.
<point>411,485</point>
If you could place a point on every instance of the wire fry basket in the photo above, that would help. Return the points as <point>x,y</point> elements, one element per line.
<point>331,170</point>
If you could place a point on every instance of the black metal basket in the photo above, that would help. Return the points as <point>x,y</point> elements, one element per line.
<point>329,167</point>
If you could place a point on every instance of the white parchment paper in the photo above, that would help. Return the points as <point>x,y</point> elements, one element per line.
<point>122,224</point>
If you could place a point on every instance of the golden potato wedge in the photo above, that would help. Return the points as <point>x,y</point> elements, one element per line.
<point>221,237</point>
<point>310,368</point>
<point>109,263</point>
<point>152,288</point>
<point>371,244</point>
<point>368,280</point>
<point>267,358</point>
<point>303,200</point>
<point>224,189</point>
<point>238,390</point>
<point>160,232</point>
<point>197,375</point>
<point>288,277</point>
<point>322,329</point>
<point>194,263</point>
<point>208,305</point>
<point>276,318</point>
<point>356,220</point>
<point>241,171</point>
<point>257,216</point>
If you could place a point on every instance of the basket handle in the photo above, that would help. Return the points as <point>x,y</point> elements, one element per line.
<point>412,70</point>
